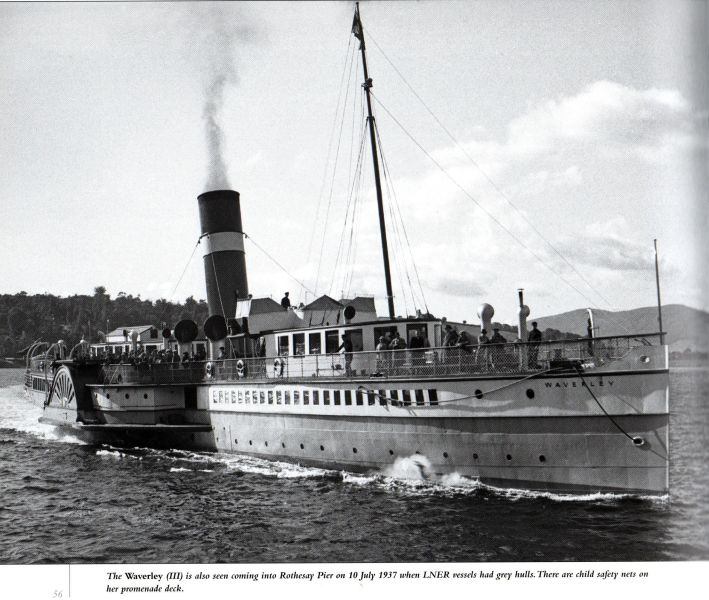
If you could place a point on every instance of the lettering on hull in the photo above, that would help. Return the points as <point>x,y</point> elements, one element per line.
<point>572,384</point>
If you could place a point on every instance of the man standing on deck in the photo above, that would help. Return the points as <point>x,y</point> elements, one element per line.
<point>346,345</point>
<point>285,302</point>
<point>481,357</point>
<point>497,350</point>
<point>535,337</point>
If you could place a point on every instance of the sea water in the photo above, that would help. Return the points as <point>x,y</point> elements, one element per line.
<point>63,501</point>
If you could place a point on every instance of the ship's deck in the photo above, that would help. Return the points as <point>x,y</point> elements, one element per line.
<point>490,360</point>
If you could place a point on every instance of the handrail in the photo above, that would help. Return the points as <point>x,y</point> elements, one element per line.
<point>512,358</point>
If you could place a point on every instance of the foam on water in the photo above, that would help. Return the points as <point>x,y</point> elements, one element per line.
<point>412,475</point>
<point>117,454</point>
<point>19,414</point>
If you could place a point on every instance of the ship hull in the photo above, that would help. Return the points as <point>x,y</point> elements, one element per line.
<point>563,454</point>
<point>602,433</point>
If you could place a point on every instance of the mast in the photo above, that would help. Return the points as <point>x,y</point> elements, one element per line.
<point>659,302</point>
<point>358,32</point>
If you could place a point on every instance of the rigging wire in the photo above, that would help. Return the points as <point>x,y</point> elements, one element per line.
<point>398,260</point>
<point>393,196</point>
<point>636,441</point>
<point>184,270</point>
<point>216,280</point>
<point>489,179</point>
<point>399,256</point>
<point>349,57</point>
<point>343,253</point>
<point>187,264</point>
<point>357,210</point>
<point>350,257</point>
<point>481,207</point>
<point>279,265</point>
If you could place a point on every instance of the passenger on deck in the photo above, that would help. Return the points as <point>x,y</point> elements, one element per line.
<point>450,340</point>
<point>222,353</point>
<point>416,345</point>
<point>381,349</point>
<point>285,302</point>
<point>347,347</point>
<point>464,342</point>
<point>497,337</point>
<point>185,358</point>
<point>398,344</point>
<point>497,351</point>
<point>451,337</point>
<point>535,337</point>
<point>482,357</point>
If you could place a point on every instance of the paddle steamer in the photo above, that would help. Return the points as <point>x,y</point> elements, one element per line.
<point>584,415</point>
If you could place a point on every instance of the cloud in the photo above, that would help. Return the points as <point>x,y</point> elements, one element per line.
<point>458,286</point>
<point>610,117</point>
<point>608,245</point>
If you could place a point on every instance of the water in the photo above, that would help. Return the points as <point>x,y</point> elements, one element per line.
<point>64,501</point>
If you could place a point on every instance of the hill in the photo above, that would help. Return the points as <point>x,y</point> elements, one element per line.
<point>686,327</point>
<point>25,318</point>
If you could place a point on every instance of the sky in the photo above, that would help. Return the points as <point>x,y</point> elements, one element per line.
<point>538,145</point>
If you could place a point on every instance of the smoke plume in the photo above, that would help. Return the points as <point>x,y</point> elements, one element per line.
<point>223,29</point>
<point>217,176</point>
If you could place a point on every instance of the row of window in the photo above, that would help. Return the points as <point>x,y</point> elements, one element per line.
<point>100,350</point>
<point>325,397</point>
<point>333,339</point>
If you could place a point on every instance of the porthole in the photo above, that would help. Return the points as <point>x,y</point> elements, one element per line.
<point>475,456</point>
<point>283,445</point>
<point>236,441</point>
<point>108,396</point>
<point>266,444</point>
<point>478,394</point>
<point>445,455</point>
<point>644,359</point>
<point>417,452</point>
<point>530,393</point>
<point>354,450</point>
<point>322,448</point>
<point>542,458</point>
<point>302,447</point>
<point>145,396</point>
<point>391,453</point>
<point>251,443</point>
<point>509,457</point>
<point>127,396</point>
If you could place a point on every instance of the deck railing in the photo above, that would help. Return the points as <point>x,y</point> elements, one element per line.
<point>489,359</point>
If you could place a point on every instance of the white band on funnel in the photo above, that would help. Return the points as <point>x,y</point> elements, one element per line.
<point>222,241</point>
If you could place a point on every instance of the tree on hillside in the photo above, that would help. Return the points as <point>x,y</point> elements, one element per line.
<point>16,321</point>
